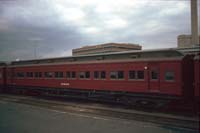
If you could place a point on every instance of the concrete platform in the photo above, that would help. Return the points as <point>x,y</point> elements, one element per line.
<point>20,118</point>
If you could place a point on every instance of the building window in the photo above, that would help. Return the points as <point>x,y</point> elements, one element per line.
<point>48,74</point>
<point>117,75</point>
<point>20,74</point>
<point>99,74</point>
<point>38,74</point>
<point>84,75</point>
<point>29,74</point>
<point>71,75</point>
<point>154,75</point>
<point>58,74</point>
<point>136,74</point>
<point>169,76</point>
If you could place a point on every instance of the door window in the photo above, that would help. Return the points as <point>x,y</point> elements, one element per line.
<point>169,76</point>
<point>154,75</point>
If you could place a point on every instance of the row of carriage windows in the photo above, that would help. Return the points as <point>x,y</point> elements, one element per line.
<point>132,75</point>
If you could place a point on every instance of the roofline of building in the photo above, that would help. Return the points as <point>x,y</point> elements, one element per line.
<point>130,45</point>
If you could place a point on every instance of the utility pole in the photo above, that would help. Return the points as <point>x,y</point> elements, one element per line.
<point>35,42</point>
<point>194,22</point>
<point>35,54</point>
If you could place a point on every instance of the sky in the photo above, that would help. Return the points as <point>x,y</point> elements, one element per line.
<point>52,28</point>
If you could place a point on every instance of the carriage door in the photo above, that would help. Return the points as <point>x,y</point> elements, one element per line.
<point>154,77</point>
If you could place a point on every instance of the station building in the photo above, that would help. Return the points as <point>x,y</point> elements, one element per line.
<point>105,48</point>
<point>185,41</point>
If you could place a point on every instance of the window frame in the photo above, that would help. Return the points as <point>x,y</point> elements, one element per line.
<point>69,75</point>
<point>117,74</point>
<point>29,75</point>
<point>155,72</point>
<point>99,75</point>
<point>136,77</point>
<point>84,74</point>
<point>96,75</point>
<point>73,73</point>
<point>37,75</point>
<point>169,72</point>
<point>47,77</point>
<point>58,75</point>
<point>20,77</point>
<point>138,74</point>
<point>131,73</point>
<point>103,73</point>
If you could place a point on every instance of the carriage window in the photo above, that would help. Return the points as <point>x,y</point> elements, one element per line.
<point>0,75</point>
<point>38,74</point>
<point>120,74</point>
<point>68,75</point>
<point>96,74</point>
<point>103,74</point>
<point>81,75</point>
<point>113,75</point>
<point>140,74</point>
<point>117,75</point>
<point>169,76</point>
<point>58,74</point>
<point>48,74</point>
<point>154,74</point>
<point>87,75</point>
<point>132,75</point>
<point>84,75</point>
<point>29,74</point>
<point>99,74</point>
<point>136,74</point>
<point>20,75</point>
<point>71,75</point>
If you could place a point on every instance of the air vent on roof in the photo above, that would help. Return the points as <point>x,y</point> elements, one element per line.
<point>100,58</point>
<point>72,59</point>
<point>134,56</point>
<point>37,62</point>
<point>50,61</point>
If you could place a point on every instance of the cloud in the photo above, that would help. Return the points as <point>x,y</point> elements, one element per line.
<point>55,27</point>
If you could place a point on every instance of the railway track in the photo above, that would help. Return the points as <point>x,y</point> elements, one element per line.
<point>156,118</point>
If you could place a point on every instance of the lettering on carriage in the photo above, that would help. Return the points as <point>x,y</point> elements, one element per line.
<point>64,84</point>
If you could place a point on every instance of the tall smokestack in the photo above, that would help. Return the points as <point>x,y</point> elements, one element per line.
<point>194,22</point>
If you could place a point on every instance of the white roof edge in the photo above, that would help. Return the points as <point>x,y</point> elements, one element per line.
<point>111,53</point>
<point>96,62</point>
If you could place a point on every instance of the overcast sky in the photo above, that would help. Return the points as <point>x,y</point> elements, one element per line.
<point>54,27</point>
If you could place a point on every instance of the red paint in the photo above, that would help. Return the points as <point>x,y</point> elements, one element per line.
<point>144,86</point>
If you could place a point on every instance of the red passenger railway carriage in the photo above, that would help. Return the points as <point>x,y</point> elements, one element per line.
<point>133,76</point>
